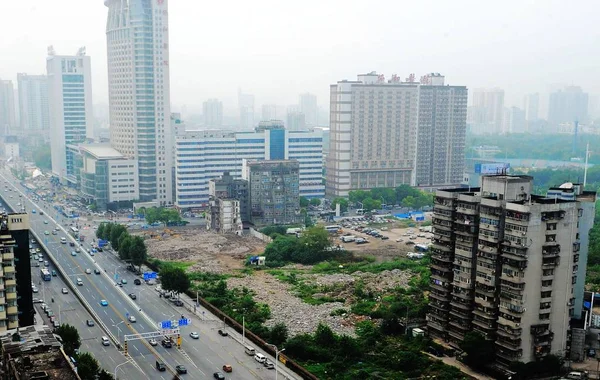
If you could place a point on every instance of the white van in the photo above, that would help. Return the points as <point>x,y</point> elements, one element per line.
<point>348,239</point>
<point>260,358</point>
<point>249,350</point>
<point>63,240</point>
<point>105,341</point>
<point>79,282</point>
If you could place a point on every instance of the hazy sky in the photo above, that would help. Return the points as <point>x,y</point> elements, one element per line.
<point>277,49</point>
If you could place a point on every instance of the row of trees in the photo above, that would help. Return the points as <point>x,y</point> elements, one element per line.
<point>88,367</point>
<point>312,247</point>
<point>402,195</point>
<point>130,248</point>
<point>305,202</point>
<point>161,215</point>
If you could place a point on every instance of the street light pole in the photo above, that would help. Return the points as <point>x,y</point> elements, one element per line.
<point>117,367</point>
<point>277,352</point>
<point>118,330</point>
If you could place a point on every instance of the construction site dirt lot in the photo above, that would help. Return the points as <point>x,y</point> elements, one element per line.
<point>384,249</point>
<point>207,250</point>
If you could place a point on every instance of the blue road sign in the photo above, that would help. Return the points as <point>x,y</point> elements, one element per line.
<point>184,322</point>
<point>149,275</point>
<point>165,324</point>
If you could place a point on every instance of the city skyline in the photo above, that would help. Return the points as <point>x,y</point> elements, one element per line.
<point>209,68</point>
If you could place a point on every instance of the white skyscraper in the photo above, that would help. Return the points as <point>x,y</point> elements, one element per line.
<point>137,36</point>
<point>246,106</point>
<point>532,106</point>
<point>490,102</point>
<point>269,112</point>
<point>212,110</point>
<point>7,107</point>
<point>308,106</point>
<point>70,105</point>
<point>33,105</point>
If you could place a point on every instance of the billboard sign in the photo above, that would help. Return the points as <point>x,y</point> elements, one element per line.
<point>492,168</point>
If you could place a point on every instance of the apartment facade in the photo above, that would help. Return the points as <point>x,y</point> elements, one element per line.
<point>7,108</point>
<point>137,36</point>
<point>229,187</point>
<point>212,110</point>
<point>70,107</point>
<point>508,264</point>
<point>390,133</point>
<point>204,155</point>
<point>308,106</point>
<point>34,111</point>
<point>274,191</point>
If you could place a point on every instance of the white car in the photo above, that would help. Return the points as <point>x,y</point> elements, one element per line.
<point>88,271</point>
<point>260,357</point>
<point>105,341</point>
<point>34,289</point>
<point>131,319</point>
<point>65,291</point>
<point>195,335</point>
<point>153,342</point>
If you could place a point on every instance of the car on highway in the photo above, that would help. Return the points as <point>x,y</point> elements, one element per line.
<point>97,271</point>
<point>180,369</point>
<point>104,302</point>
<point>73,253</point>
<point>195,335</point>
<point>41,213</point>
<point>260,357</point>
<point>269,364</point>
<point>46,233</point>
<point>160,366</point>
<point>53,273</point>
<point>88,271</point>
<point>153,342</point>
<point>65,291</point>
<point>79,282</point>
<point>54,233</point>
<point>89,322</point>
<point>223,332</point>
<point>227,368</point>
<point>34,289</point>
<point>178,302</point>
<point>92,253</point>
<point>123,281</point>
<point>219,376</point>
<point>137,281</point>
<point>37,300</point>
<point>37,264</point>
<point>105,341</point>
<point>77,250</point>
<point>45,222</point>
<point>166,343</point>
<point>41,259</point>
<point>131,319</point>
<point>132,296</point>
<point>46,263</point>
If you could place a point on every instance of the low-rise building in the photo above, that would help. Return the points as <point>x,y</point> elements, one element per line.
<point>107,176</point>
<point>224,215</point>
<point>33,352</point>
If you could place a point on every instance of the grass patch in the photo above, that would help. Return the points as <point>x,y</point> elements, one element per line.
<point>207,277</point>
<point>371,267</point>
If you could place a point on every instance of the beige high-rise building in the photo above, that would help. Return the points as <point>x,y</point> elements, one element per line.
<point>390,133</point>
<point>509,265</point>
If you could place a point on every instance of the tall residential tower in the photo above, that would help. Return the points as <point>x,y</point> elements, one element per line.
<point>7,107</point>
<point>33,105</point>
<point>137,38</point>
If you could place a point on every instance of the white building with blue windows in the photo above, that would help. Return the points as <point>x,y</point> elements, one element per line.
<point>70,108</point>
<point>206,154</point>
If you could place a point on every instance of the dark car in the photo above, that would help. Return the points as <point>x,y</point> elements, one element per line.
<point>166,343</point>
<point>137,281</point>
<point>180,369</point>
<point>71,244</point>
<point>178,303</point>
<point>223,332</point>
<point>385,237</point>
<point>132,296</point>
<point>89,322</point>
<point>219,376</point>
<point>160,366</point>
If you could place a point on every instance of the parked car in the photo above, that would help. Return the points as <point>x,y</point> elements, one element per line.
<point>222,332</point>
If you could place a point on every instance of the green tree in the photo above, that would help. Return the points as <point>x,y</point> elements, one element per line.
<point>138,251</point>
<point>100,230</point>
<point>87,367</point>
<point>343,204</point>
<point>169,215</point>
<point>371,204</point>
<point>125,242</point>
<point>152,215</point>
<point>42,157</point>
<point>409,202</point>
<point>174,279</point>
<point>107,231</point>
<point>477,348</point>
<point>70,338</point>
<point>324,337</point>
<point>280,250</point>
<point>404,191</point>
<point>304,202</point>
<point>115,233</point>
<point>311,246</point>
<point>355,196</point>
<point>278,334</point>
<point>103,375</point>
<point>315,202</point>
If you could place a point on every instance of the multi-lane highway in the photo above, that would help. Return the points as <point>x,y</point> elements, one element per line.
<point>202,357</point>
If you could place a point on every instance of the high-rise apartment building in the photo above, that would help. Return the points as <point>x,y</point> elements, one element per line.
<point>509,265</point>
<point>490,102</point>
<point>531,105</point>
<point>269,112</point>
<point>246,108</point>
<point>202,155</point>
<point>308,106</point>
<point>514,120</point>
<point>295,121</point>
<point>7,107</point>
<point>137,37</point>
<point>70,105</point>
<point>379,130</point>
<point>230,187</point>
<point>34,109</point>
<point>273,191</point>
<point>212,110</point>
<point>567,106</point>
<point>441,133</point>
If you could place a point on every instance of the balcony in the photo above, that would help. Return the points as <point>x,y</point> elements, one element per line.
<point>457,335</point>
<point>8,256</point>
<point>10,282</point>
<point>509,333</point>
<point>514,310</point>
<point>443,267</point>
<point>465,210</point>
<point>441,256</point>
<point>462,328</point>
<point>13,324</point>
<point>463,263</point>
<point>509,355</point>
<point>442,238</point>
<point>510,324</point>
<point>485,280</point>
<point>488,238</point>
<point>443,277</point>
<point>512,278</point>
<point>440,287</point>
<point>438,296</point>
<point>440,215</point>
<point>512,345</point>
<point>435,325</point>
<point>11,296</point>
<point>11,310</point>
<point>489,316</point>
<point>460,305</point>
<point>2,315</point>
<point>9,270</point>
<point>441,306</point>
<point>441,247</point>
<point>483,302</point>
